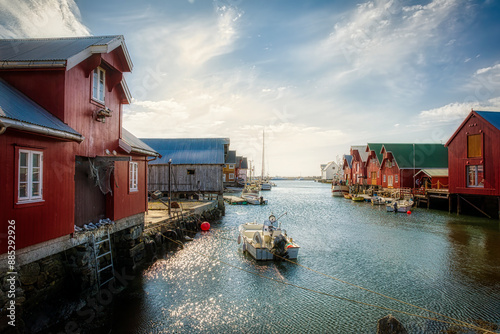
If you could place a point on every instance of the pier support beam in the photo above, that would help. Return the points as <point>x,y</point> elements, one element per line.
<point>458,205</point>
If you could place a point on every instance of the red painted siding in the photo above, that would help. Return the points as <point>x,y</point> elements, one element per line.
<point>67,94</point>
<point>388,172</point>
<point>125,203</point>
<point>458,161</point>
<point>373,166</point>
<point>45,220</point>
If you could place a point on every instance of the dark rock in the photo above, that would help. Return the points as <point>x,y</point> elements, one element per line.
<point>390,325</point>
<point>28,274</point>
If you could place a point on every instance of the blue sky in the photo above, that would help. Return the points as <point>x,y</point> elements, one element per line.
<point>319,76</point>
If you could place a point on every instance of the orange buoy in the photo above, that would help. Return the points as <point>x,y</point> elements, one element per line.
<point>408,212</point>
<point>205,226</point>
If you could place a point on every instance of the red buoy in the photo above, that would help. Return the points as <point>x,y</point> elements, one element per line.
<point>205,226</point>
<point>408,212</point>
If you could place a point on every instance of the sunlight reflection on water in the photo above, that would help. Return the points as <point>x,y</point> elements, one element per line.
<point>433,259</point>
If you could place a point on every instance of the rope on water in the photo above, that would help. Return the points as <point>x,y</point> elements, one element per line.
<point>456,322</point>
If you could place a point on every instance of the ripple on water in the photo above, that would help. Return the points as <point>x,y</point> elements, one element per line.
<point>432,259</point>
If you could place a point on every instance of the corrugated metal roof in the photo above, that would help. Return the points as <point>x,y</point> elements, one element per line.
<point>435,172</point>
<point>136,143</point>
<point>419,155</point>
<point>491,116</point>
<point>16,106</point>
<point>377,147</point>
<point>57,51</point>
<point>231,157</point>
<point>46,49</point>
<point>362,151</point>
<point>189,151</point>
<point>348,158</point>
<point>243,162</point>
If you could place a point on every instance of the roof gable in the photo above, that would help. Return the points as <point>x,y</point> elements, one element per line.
<point>377,148</point>
<point>189,151</point>
<point>347,160</point>
<point>231,157</point>
<point>58,52</point>
<point>361,149</point>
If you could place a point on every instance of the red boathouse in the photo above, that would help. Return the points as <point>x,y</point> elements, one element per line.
<point>474,162</point>
<point>66,160</point>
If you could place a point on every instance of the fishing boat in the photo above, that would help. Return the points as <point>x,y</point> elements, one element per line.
<point>347,196</point>
<point>403,205</point>
<point>251,194</point>
<point>339,190</point>
<point>267,241</point>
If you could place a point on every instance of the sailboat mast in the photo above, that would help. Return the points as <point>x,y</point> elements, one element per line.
<point>262,177</point>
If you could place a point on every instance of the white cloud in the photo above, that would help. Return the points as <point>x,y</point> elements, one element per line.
<point>40,18</point>
<point>488,69</point>
<point>452,112</point>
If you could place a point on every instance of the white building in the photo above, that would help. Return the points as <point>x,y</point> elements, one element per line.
<point>331,171</point>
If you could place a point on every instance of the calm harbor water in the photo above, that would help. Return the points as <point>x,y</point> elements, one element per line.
<point>436,260</point>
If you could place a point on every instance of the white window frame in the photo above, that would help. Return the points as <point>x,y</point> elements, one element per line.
<point>384,177</point>
<point>98,87</point>
<point>390,180</point>
<point>29,177</point>
<point>231,176</point>
<point>231,166</point>
<point>396,178</point>
<point>475,170</point>
<point>133,176</point>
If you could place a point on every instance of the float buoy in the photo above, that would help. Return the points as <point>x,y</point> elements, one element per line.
<point>205,226</point>
<point>408,212</point>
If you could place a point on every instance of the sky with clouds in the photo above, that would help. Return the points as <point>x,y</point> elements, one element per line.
<point>318,76</point>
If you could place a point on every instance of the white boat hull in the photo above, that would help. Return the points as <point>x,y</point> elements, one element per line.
<point>259,247</point>
<point>339,191</point>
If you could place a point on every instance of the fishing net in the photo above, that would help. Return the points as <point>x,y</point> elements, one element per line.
<point>100,171</point>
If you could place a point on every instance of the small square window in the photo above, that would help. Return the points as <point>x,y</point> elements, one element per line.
<point>190,172</point>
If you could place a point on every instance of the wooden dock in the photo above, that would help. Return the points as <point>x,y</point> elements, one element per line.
<point>235,200</point>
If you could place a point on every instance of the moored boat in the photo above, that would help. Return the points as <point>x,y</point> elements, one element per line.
<point>403,205</point>
<point>339,190</point>
<point>357,198</point>
<point>377,200</point>
<point>266,241</point>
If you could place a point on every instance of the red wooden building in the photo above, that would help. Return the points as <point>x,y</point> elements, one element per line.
<point>474,155</point>
<point>373,160</point>
<point>347,167</point>
<point>401,162</point>
<point>65,158</point>
<point>359,156</point>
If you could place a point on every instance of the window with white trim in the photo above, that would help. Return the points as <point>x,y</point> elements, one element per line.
<point>30,180</point>
<point>231,176</point>
<point>133,172</point>
<point>475,176</point>
<point>98,81</point>
<point>396,178</point>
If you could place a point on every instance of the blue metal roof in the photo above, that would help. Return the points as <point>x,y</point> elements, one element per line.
<point>16,106</point>
<point>491,116</point>
<point>48,48</point>
<point>189,151</point>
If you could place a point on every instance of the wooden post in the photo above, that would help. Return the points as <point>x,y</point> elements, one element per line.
<point>458,205</point>
<point>499,208</point>
<point>449,203</point>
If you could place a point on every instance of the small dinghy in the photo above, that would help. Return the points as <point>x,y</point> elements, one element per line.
<point>266,241</point>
